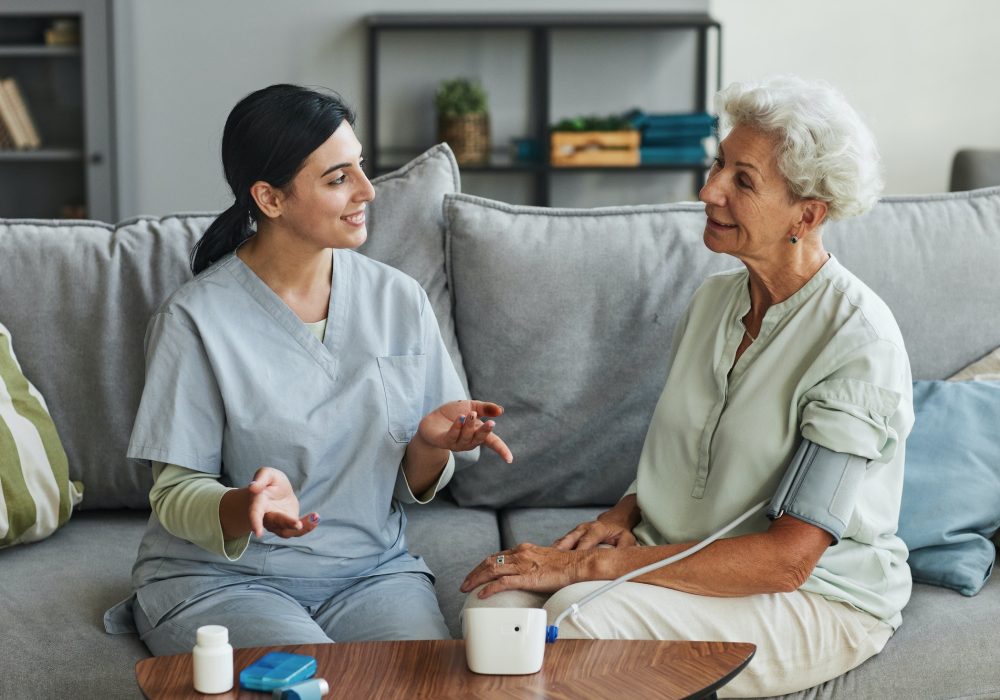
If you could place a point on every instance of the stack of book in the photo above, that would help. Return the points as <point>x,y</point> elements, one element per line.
<point>17,127</point>
<point>672,139</point>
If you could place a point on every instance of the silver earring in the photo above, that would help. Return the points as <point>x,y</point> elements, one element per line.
<point>795,240</point>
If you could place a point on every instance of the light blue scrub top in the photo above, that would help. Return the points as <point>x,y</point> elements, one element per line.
<point>236,381</point>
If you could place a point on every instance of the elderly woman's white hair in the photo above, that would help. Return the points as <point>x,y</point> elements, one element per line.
<point>826,151</point>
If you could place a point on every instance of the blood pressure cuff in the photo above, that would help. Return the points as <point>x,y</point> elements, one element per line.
<point>820,487</point>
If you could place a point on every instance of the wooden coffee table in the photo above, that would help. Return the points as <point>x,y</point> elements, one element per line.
<point>573,668</point>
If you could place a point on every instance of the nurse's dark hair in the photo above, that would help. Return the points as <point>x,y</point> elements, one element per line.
<point>268,136</point>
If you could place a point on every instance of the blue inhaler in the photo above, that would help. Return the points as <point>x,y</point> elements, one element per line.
<point>313,689</point>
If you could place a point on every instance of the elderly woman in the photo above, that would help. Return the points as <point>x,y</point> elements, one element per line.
<point>789,347</point>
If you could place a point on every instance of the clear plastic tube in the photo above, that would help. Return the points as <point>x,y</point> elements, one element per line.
<point>552,632</point>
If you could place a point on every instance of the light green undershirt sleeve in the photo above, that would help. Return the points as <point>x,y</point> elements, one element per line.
<point>186,502</point>
<point>404,494</point>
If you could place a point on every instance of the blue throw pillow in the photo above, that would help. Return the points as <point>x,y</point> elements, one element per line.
<point>951,487</point>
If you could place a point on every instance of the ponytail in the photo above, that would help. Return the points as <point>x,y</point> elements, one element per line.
<point>267,137</point>
<point>226,233</point>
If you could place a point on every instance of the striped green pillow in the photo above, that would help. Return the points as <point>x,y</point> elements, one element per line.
<point>36,495</point>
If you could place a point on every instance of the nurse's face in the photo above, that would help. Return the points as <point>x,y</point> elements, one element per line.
<point>326,200</point>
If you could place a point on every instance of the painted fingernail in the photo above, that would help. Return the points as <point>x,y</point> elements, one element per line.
<point>461,419</point>
<point>314,518</point>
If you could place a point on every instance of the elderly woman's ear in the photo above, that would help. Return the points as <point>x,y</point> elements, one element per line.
<point>813,215</point>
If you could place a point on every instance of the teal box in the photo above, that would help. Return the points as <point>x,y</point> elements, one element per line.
<point>277,669</point>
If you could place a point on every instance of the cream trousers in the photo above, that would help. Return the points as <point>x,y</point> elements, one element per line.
<point>802,639</point>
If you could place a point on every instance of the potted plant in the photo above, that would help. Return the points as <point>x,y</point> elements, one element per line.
<point>463,120</point>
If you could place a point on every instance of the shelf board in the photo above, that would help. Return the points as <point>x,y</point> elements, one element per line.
<point>9,51</point>
<point>502,164</point>
<point>41,155</point>
<point>582,20</point>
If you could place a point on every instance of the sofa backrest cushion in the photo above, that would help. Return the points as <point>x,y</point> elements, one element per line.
<point>566,316</point>
<point>406,230</point>
<point>935,260</point>
<point>77,297</point>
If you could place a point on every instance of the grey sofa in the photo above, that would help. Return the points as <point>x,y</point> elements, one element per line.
<point>563,316</point>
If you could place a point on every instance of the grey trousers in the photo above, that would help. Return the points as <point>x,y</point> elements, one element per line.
<point>387,607</point>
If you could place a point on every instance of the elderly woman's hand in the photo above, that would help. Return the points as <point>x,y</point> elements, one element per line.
<point>612,527</point>
<point>597,532</point>
<point>528,567</point>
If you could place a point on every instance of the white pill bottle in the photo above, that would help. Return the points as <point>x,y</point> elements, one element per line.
<point>213,660</point>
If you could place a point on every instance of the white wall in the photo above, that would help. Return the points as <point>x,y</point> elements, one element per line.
<point>924,73</point>
<point>181,65</point>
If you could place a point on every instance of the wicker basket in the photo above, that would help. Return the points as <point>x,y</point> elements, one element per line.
<point>468,135</point>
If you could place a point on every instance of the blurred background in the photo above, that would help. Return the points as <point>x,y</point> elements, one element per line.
<point>125,100</point>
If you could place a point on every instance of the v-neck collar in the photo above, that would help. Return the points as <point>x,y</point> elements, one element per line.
<point>324,352</point>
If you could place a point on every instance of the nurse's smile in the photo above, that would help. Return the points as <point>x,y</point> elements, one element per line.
<point>355,219</point>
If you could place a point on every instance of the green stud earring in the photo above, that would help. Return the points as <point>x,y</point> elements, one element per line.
<point>795,240</point>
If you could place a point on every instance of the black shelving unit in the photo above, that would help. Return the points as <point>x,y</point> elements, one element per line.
<point>540,26</point>
<point>68,90</point>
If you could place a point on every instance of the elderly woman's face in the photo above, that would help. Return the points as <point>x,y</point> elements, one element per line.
<point>749,208</point>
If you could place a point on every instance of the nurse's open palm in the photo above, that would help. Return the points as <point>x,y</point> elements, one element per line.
<point>274,506</point>
<point>458,426</point>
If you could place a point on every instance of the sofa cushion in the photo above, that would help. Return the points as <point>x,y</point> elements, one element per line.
<point>36,495</point>
<point>951,487</point>
<point>77,298</point>
<point>55,595</point>
<point>564,317</point>
<point>452,540</point>
<point>934,259</point>
<point>986,368</point>
<point>541,526</point>
<point>406,230</point>
<point>941,652</point>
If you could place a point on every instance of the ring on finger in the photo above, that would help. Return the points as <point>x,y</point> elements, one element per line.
<point>500,560</point>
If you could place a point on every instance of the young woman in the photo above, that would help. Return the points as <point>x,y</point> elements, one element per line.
<point>296,392</point>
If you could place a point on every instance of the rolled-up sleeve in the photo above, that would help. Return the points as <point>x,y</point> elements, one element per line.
<point>854,409</point>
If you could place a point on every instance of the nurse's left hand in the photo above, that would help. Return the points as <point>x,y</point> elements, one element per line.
<point>457,426</point>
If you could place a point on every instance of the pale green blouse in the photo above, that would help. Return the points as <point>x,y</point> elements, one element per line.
<point>829,365</point>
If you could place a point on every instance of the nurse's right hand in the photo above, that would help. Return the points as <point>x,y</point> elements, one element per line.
<point>273,506</point>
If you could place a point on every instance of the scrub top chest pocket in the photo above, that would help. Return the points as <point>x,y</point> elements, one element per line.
<point>403,381</point>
